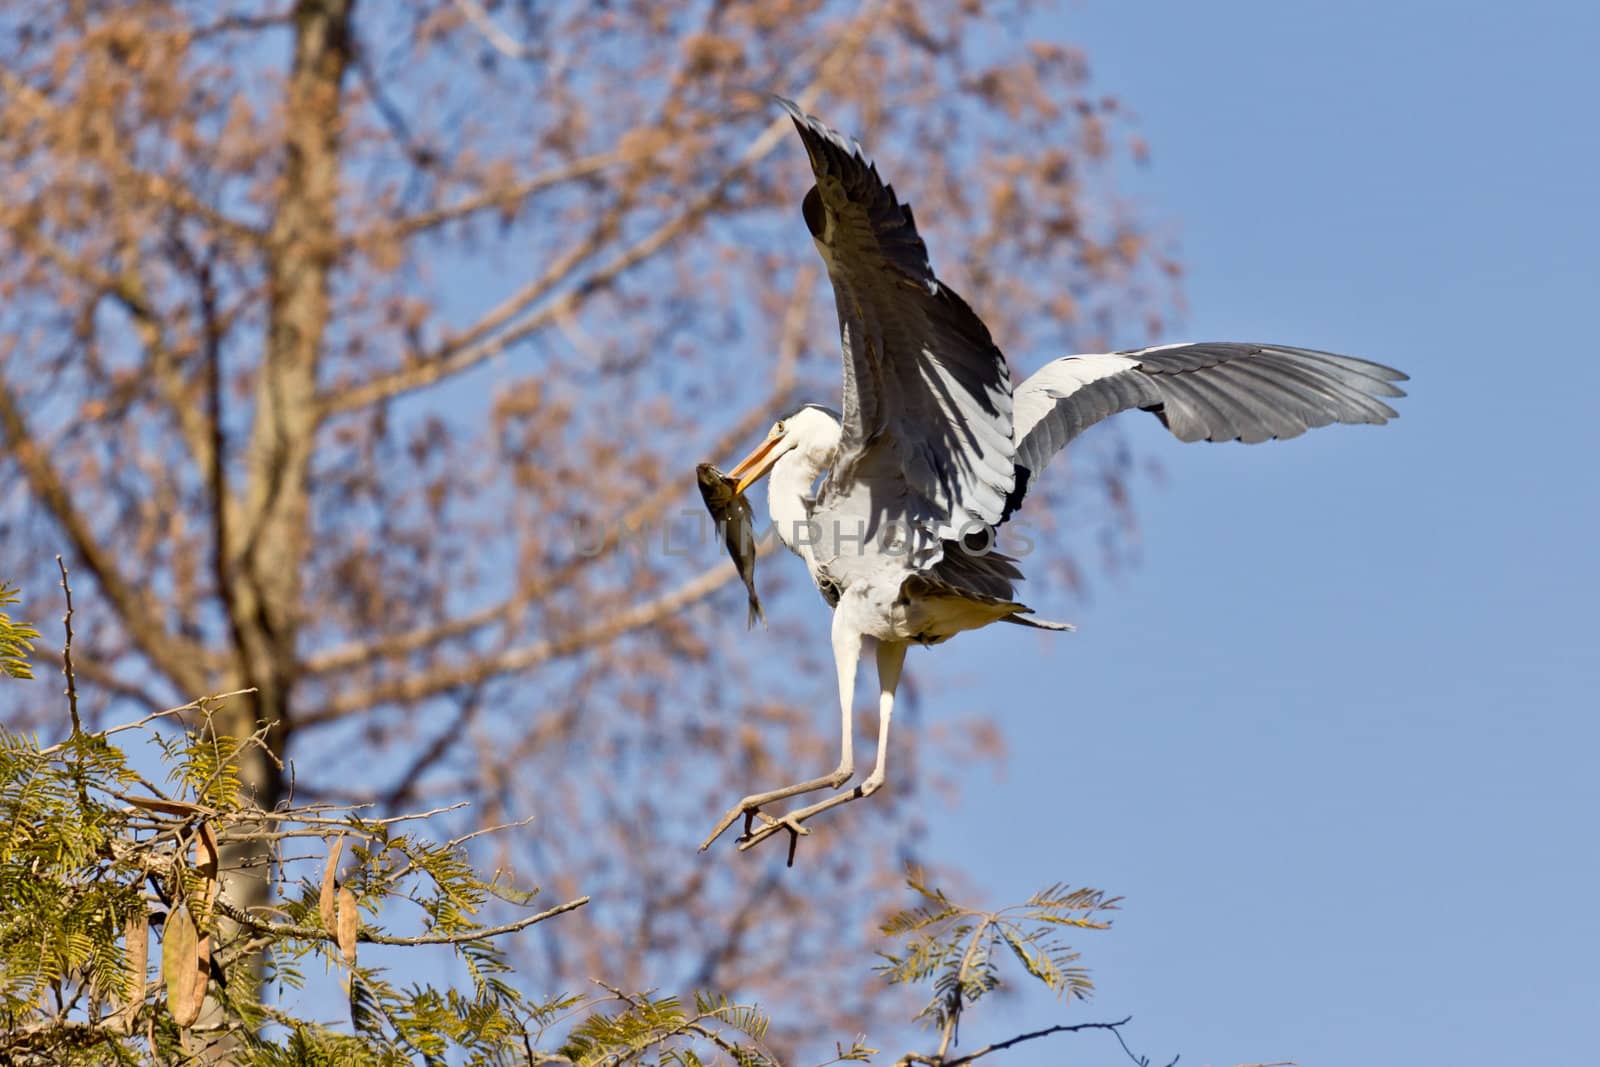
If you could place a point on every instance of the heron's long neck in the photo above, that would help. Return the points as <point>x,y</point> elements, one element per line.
<point>789,495</point>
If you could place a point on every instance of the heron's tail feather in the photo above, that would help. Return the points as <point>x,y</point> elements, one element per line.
<point>1039,624</point>
<point>979,609</point>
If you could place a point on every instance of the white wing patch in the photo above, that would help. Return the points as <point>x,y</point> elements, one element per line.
<point>1210,391</point>
<point>1057,380</point>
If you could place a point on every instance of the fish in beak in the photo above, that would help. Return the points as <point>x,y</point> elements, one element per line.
<point>754,467</point>
<point>731,513</point>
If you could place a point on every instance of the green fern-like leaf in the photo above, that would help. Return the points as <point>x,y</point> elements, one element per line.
<point>747,1019</point>
<point>643,1023</point>
<point>16,639</point>
<point>1036,963</point>
<point>746,1056</point>
<point>919,918</point>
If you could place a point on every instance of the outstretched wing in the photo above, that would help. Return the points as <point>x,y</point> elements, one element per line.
<point>927,395</point>
<point>1225,391</point>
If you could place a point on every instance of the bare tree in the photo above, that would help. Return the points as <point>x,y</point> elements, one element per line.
<point>336,335</point>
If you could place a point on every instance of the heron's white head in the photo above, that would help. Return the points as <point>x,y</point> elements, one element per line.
<point>807,441</point>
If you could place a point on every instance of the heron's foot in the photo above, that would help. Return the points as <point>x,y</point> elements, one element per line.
<point>751,813</point>
<point>750,838</point>
<point>750,807</point>
<point>795,821</point>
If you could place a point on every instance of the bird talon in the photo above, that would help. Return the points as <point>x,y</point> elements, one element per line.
<point>796,830</point>
<point>750,817</point>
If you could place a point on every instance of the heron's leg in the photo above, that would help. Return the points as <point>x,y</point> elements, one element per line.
<point>891,656</point>
<point>846,656</point>
<point>847,644</point>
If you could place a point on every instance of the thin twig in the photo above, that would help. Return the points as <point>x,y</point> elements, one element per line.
<point>1115,1028</point>
<point>456,842</point>
<point>412,225</point>
<point>203,702</point>
<point>297,816</point>
<point>66,654</point>
<point>1142,1061</point>
<point>316,933</point>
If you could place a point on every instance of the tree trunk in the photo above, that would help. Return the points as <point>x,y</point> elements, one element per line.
<point>266,533</point>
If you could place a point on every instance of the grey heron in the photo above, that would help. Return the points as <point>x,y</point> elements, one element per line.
<point>892,503</point>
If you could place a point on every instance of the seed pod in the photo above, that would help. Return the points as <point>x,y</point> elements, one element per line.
<point>349,924</point>
<point>202,970</point>
<point>180,956</point>
<point>329,887</point>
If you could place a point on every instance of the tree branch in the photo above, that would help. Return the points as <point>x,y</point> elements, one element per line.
<point>154,187</point>
<point>411,226</point>
<point>436,750</point>
<point>173,656</point>
<point>193,705</point>
<point>129,291</point>
<point>791,343</point>
<point>103,678</point>
<point>279,931</point>
<point>420,687</point>
<point>502,41</point>
<point>940,1061</point>
<point>240,24</point>
<point>210,451</point>
<point>481,342</point>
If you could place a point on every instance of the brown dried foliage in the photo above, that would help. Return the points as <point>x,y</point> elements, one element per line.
<point>349,924</point>
<point>331,333</point>
<point>183,966</point>
<point>136,939</point>
<point>329,885</point>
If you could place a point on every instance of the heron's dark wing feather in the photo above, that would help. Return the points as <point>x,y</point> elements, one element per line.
<point>1223,391</point>
<point>978,569</point>
<point>922,377</point>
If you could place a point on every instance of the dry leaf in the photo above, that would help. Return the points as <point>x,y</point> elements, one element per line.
<point>167,807</point>
<point>325,897</point>
<point>349,923</point>
<point>136,956</point>
<point>202,973</point>
<point>207,861</point>
<point>180,946</point>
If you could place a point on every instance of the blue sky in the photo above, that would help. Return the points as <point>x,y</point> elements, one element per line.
<point>1334,737</point>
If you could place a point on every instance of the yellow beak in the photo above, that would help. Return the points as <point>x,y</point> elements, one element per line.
<point>754,467</point>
